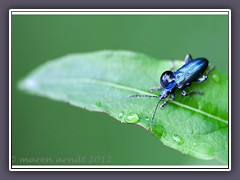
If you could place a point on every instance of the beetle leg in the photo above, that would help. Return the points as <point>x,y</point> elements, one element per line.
<point>155,88</point>
<point>184,93</point>
<point>188,58</point>
<point>204,77</point>
<point>201,79</point>
<point>165,102</point>
<point>210,70</point>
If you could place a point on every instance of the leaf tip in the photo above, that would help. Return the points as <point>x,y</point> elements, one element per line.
<point>27,84</point>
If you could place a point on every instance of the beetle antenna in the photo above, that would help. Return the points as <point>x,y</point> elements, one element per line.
<point>155,110</point>
<point>140,96</point>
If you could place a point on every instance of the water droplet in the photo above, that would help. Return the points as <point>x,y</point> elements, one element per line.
<point>132,118</point>
<point>159,132</point>
<point>216,78</point>
<point>98,104</point>
<point>147,118</point>
<point>178,139</point>
<point>120,115</point>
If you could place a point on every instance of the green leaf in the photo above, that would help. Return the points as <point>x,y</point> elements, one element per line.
<point>196,125</point>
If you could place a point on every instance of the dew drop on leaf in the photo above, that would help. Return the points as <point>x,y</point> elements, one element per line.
<point>178,139</point>
<point>98,104</point>
<point>120,115</point>
<point>216,78</point>
<point>147,118</point>
<point>132,118</point>
<point>159,132</point>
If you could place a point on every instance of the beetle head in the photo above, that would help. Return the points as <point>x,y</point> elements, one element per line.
<point>167,80</point>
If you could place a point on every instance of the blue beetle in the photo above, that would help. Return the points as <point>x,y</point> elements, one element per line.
<point>191,71</point>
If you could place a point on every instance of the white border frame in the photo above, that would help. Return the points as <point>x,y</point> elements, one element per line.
<point>119,12</point>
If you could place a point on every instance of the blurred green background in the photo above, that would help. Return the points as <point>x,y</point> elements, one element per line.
<point>46,131</point>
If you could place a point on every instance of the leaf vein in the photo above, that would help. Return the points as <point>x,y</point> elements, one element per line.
<point>123,87</point>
